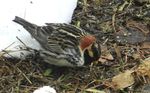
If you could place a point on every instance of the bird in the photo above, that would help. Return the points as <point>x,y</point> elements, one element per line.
<point>37,11</point>
<point>63,44</point>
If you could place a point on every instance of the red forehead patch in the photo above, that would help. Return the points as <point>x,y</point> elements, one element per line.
<point>86,41</point>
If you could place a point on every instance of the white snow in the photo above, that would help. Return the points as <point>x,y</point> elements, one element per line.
<point>35,11</point>
<point>45,89</point>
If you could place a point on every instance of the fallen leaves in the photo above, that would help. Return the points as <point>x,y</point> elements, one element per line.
<point>106,55</point>
<point>144,68</point>
<point>123,80</point>
<point>126,79</point>
<point>145,45</point>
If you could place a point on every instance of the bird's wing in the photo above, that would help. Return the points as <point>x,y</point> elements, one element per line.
<point>60,40</point>
<point>57,38</point>
<point>60,46</point>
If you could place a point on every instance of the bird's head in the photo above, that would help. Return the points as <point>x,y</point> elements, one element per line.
<point>90,49</point>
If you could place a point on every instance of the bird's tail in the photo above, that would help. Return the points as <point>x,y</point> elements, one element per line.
<point>31,28</point>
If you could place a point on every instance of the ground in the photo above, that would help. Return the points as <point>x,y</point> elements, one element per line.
<point>123,29</point>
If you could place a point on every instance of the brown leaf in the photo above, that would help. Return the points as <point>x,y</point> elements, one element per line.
<point>123,80</point>
<point>144,68</point>
<point>146,45</point>
<point>106,55</point>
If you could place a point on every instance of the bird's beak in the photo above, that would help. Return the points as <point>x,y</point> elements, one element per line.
<point>90,52</point>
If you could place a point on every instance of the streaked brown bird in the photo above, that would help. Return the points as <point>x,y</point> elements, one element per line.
<point>63,44</point>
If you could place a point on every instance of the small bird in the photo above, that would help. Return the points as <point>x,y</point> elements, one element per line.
<point>63,44</point>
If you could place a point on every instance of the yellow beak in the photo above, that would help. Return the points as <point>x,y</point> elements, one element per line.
<point>90,51</point>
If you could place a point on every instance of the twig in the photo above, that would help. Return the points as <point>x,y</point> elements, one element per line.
<point>24,76</point>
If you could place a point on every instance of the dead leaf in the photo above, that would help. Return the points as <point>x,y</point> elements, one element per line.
<point>123,80</point>
<point>136,56</point>
<point>109,57</point>
<point>102,60</point>
<point>146,45</point>
<point>144,68</point>
<point>106,55</point>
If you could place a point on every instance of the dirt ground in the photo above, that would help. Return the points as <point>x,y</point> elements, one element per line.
<point>123,29</point>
